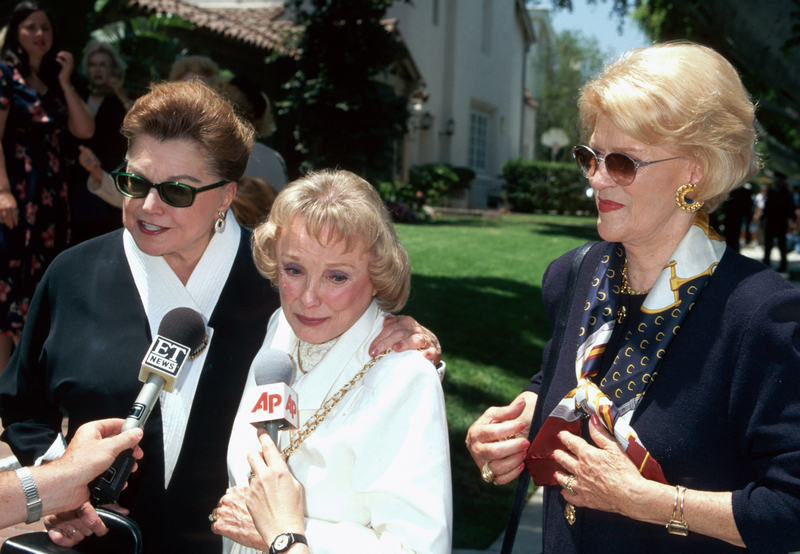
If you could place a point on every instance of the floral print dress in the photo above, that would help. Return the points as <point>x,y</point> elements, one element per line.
<point>38,183</point>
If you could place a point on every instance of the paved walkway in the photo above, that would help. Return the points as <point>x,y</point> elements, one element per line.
<point>529,535</point>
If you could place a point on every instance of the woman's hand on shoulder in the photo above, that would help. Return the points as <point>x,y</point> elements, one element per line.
<point>275,497</point>
<point>9,214</point>
<point>498,439</point>
<point>404,333</point>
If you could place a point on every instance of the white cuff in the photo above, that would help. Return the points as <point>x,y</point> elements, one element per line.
<point>55,451</point>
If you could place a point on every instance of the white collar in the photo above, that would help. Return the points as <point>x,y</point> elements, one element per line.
<point>161,291</point>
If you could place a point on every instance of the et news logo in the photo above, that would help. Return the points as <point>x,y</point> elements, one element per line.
<point>166,356</point>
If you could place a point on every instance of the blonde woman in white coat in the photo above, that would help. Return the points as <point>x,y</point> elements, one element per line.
<point>374,476</point>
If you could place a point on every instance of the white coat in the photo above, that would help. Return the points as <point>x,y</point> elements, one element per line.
<point>376,472</point>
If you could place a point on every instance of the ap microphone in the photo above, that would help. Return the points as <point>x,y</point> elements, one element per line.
<point>273,404</point>
<point>181,337</point>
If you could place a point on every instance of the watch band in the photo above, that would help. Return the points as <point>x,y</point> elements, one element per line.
<point>285,541</point>
<point>31,495</point>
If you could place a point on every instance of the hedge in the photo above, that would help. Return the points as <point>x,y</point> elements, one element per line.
<point>546,186</point>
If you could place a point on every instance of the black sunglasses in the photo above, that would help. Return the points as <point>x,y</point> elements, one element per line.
<point>620,167</point>
<point>172,193</point>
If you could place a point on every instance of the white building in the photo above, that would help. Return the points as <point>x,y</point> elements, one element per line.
<point>471,55</point>
<point>473,109</point>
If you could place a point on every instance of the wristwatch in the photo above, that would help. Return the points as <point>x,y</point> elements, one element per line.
<point>285,541</point>
<point>32,499</point>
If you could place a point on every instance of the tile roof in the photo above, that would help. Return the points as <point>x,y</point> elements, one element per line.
<point>263,28</point>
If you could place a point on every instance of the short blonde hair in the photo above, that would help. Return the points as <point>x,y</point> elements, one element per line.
<point>348,208</point>
<point>202,65</point>
<point>686,98</point>
<point>118,65</point>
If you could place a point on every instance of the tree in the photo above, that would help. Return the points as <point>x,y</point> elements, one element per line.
<point>761,39</point>
<point>341,115</point>
<point>575,59</point>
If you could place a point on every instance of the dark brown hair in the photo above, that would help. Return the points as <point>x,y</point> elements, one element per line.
<point>193,111</point>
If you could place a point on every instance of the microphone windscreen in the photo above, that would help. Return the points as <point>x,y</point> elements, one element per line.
<point>184,326</point>
<point>272,366</point>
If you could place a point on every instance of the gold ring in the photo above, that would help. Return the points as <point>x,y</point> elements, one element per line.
<point>488,475</point>
<point>424,344</point>
<point>212,517</point>
<point>250,476</point>
<point>568,485</point>
<point>69,534</point>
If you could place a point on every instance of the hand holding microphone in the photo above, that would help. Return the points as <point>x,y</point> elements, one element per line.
<point>273,403</point>
<point>270,405</point>
<point>181,336</point>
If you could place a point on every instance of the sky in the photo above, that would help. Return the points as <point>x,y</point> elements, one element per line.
<point>594,21</point>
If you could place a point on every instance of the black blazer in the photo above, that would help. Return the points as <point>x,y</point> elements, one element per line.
<point>80,352</point>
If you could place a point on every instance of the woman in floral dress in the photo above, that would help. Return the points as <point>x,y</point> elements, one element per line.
<point>37,105</point>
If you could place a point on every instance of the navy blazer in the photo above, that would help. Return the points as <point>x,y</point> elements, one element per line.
<point>723,414</point>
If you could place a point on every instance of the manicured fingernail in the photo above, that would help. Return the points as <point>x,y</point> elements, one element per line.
<point>523,426</point>
<point>373,352</point>
<point>521,466</point>
<point>595,420</point>
<point>526,444</point>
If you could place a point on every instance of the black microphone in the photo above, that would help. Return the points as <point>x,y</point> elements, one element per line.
<point>181,336</point>
<point>274,402</point>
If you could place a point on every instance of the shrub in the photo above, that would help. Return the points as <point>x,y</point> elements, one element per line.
<point>545,186</point>
<point>427,186</point>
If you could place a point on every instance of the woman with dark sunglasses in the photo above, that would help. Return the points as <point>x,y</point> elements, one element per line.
<point>98,306</point>
<point>669,422</point>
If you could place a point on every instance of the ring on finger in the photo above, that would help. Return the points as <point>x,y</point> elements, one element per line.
<point>68,534</point>
<point>424,344</point>
<point>250,476</point>
<point>488,475</point>
<point>568,485</point>
<point>212,517</point>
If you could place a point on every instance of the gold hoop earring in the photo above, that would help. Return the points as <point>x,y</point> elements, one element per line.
<point>687,204</point>
<point>219,226</point>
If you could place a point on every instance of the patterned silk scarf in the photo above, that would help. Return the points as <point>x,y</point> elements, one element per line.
<point>637,362</point>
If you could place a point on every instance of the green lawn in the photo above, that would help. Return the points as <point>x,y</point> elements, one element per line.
<point>477,284</point>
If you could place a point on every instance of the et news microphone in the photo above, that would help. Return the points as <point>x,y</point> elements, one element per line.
<point>181,336</point>
<point>274,403</point>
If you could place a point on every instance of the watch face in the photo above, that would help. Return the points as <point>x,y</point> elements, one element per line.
<point>281,542</point>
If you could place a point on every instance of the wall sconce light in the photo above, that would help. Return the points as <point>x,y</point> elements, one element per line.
<point>426,121</point>
<point>449,128</point>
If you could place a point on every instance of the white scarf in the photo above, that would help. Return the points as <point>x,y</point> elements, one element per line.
<point>161,291</point>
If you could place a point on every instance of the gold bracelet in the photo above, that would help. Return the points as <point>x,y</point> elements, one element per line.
<point>678,526</point>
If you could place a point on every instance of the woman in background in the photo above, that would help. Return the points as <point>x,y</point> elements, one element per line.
<point>108,101</point>
<point>38,104</point>
<point>252,104</point>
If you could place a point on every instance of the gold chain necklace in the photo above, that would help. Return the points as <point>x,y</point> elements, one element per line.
<point>625,288</point>
<point>299,363</point>
<point>314,421</point>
